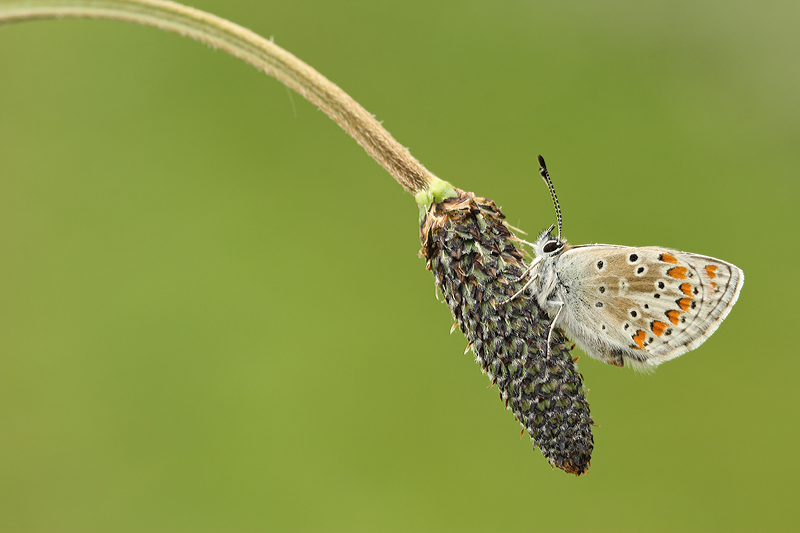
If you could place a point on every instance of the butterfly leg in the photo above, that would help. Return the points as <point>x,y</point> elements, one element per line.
<point>529,269</point>
<point>553,324</point>
<point>527,284</point>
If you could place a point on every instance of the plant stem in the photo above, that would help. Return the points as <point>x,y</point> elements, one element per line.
<point>254,49</point>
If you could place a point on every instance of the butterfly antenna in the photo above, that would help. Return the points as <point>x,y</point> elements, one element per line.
<point>546,178</point>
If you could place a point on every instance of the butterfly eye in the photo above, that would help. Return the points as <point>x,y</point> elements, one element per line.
<point>551,246</point>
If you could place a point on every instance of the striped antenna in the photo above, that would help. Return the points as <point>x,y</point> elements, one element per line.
<point>546,178</point>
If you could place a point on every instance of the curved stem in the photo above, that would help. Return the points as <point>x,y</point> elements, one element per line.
<point>254,49</point>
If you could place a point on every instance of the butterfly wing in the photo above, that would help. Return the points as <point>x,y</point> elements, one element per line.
<point>644,305</point>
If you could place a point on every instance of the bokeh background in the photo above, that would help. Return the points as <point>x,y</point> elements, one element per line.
<point>212,312</point>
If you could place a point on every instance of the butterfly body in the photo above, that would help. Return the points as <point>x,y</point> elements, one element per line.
<point>636,305</point>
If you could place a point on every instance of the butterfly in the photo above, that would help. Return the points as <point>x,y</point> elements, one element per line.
<point>636,305</point>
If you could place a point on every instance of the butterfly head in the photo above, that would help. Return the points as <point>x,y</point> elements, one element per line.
<point>548,245</point>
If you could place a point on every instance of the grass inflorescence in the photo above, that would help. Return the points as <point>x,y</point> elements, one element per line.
<point>477,267</point>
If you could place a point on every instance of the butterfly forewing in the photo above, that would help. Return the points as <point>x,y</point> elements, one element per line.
<point>644,305</point>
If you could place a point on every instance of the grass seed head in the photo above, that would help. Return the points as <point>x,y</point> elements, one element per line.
<point>477,266</point>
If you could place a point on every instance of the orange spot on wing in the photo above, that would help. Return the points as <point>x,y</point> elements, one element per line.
<point>639,338</point>
<point>673,316</point>
<point>684,303</point>
<point>686,288</point>
<point>668,258</point>
<point>677,272</point>
<point>713,285</point>
<point>711,271</point>
<point>658,327</point>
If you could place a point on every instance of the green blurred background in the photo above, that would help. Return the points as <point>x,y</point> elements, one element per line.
<point>214,318</point>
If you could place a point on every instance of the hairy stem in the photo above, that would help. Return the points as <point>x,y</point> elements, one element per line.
<point>254,49</point>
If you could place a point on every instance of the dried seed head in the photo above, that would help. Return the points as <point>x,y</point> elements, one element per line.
<point>476,266</point>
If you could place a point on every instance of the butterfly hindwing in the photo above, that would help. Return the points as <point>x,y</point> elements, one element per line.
<point>644,305</point>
